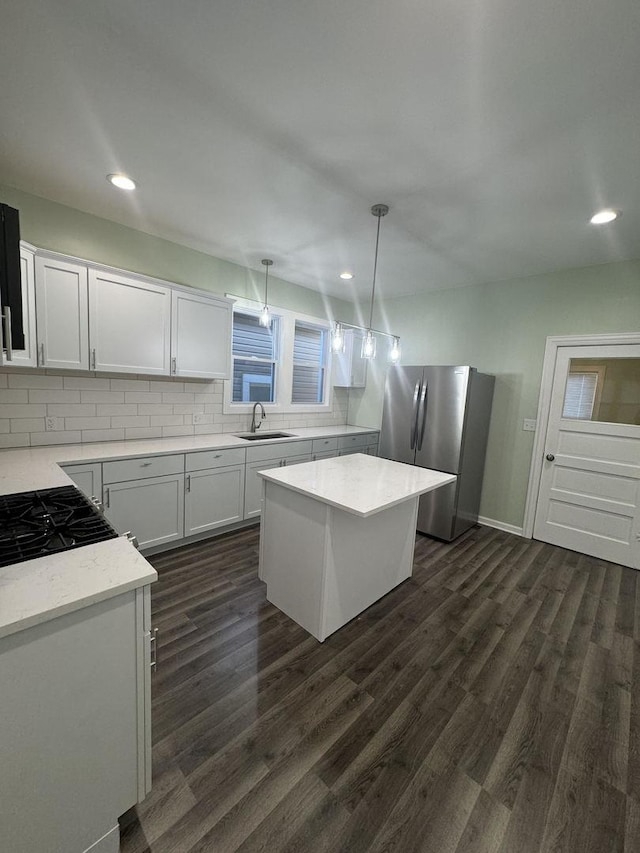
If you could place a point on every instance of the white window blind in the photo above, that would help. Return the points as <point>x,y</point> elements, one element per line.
<point>254,359</point>
<point>309,364</point>
<point>580,395</point>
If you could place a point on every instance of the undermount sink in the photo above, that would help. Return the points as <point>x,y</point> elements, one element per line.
<point>263,436</point>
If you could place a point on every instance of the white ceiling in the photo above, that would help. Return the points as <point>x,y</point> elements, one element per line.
<point>268,129</point>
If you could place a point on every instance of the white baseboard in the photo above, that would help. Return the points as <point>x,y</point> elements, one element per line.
<point>500,525</point>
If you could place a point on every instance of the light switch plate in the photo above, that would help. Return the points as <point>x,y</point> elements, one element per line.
<point>529,425</point>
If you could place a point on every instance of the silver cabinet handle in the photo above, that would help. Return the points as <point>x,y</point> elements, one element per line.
<point>6,316</point>
<point>145,464</point>
<point>42,355</point>
<point>217,456</point>
<point>174,365</point>
<point>153,646</point>
<point>187,483</point>
<point>107,497</point>
<point>93,359</point>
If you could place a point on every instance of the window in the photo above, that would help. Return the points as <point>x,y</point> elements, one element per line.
<point>286,367</point>
<point>254,359</point>
<point>309,363</point>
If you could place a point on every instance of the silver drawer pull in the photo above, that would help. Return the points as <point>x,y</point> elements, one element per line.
<point>145,464</point>
<point>153,646</point>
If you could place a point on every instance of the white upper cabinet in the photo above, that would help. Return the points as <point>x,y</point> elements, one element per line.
<point>200,335</point>
<point>129,324</point>
<point>61,314</point>
<point>349,368</point>
<point>25,357</point>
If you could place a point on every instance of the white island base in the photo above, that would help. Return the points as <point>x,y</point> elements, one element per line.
<point>338,534</point>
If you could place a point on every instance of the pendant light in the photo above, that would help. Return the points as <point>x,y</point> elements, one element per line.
<point>265,317</point>
<point>369,342</point>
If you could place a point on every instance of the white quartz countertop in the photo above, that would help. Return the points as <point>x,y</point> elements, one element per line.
<point>36,591</point>
<point>32,468</point>
<point>359,484</point>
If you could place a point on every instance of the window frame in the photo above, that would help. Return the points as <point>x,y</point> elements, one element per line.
<point>274,361</point>
<point>323,365</point>
<point>284,364</point>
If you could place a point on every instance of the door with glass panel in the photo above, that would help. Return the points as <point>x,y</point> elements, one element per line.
<point>589,497</point>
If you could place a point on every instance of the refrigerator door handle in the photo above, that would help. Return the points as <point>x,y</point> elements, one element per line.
<point>423,404</point>
<point>415,411</point>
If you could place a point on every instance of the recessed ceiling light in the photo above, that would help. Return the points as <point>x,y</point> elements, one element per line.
<point>123,182</point>
<point>604,216</point>
<point>346,276</point>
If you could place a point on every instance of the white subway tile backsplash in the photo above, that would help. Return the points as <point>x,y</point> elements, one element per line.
<point>108,407</point>
<point>144,432</point>
<point>72,410</point>
<point>34,380</point>
<point>56,395</point>
<point>38,438</point>
<point>166,420</point>
<point>116,410</point>
<point>13,395</point>
<point>17,411</point>
<point>142,397</point>
<point>87,423</point>
<point>171,431</point>
<point>86,383</point>
<point>131,421</point>
<point>129,384</point>
<point>102,397</point>
<point>16,439</point>
<point>102,434</point>
<point>27,425</point>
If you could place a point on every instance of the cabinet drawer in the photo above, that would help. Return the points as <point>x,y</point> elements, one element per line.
<point>277,450</point>
<point>206,459</point>
<point>321,445</point>
<point>145,466</point>
<point>345,442</point>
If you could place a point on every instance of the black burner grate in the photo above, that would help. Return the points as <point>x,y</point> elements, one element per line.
<point>34,524</point>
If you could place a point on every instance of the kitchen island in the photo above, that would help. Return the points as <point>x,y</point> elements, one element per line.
<point>338,534</point>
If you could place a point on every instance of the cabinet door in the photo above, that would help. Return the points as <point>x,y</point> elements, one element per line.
<point>61,314</point>
<point>153,509</point>
<point>213,499</point>
<point>25,357</point>
<point>253,486</point>
<point>324,454</point>
<point>200,336</point>
<point>129,324</point>
<point>88,478</point>
<point>349,368</point>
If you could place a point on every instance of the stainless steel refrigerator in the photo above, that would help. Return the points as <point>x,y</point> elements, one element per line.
<point>438,417</point>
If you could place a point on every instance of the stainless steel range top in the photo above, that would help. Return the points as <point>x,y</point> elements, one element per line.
<point>34,524</point>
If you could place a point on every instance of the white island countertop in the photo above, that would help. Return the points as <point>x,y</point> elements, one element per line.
<point>358,484</point>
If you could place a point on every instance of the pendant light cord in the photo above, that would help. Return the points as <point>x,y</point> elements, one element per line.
<point>266,285</point>
<point>375,267</point>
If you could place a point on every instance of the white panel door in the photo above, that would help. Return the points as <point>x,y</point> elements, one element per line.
<point>213,498</point>
<point>349,368</point>
<point>25,357</point>
<point>253,486</point>
<point>200,336</point>
<point>62,314</point>
<point>589,496</point>
<point>129,324</point>
<point>153,509</point>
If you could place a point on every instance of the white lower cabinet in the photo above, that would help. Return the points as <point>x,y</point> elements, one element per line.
<point>152,509</point>
<point>88,478</point>
<point>253,483</point>
<point>213,498</point>
<point>75,739</point>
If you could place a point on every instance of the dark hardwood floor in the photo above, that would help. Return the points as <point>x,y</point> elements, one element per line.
<point>490,704</point>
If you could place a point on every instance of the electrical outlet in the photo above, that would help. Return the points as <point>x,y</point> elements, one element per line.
<point>52,424</point>
<point>529,424</point>
<point>198,418</point>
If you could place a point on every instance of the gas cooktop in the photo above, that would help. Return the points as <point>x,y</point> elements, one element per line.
<point>34,524</point>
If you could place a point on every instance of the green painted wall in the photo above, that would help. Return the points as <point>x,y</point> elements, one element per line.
<point>501,328</point>
<point>54,226</point>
